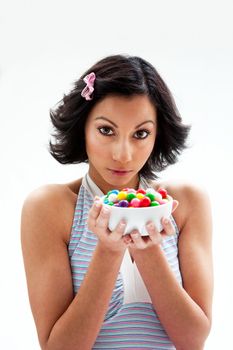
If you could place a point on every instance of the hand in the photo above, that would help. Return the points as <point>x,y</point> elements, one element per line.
<point>98,223</point>
<point>155,237</point>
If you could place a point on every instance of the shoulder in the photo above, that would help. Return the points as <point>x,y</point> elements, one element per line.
<point>48,198</point>
<point>56,194</point>
<point>51,205</point>
<point>188,192</point>
<point>193,199</point>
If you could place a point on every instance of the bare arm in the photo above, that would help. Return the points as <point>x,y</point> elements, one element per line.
<point>184,312</point>
<point>63,321</point>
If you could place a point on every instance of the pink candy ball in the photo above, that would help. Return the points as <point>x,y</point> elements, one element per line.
<point>135,202</point>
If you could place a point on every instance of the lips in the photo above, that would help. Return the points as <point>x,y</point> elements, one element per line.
<point>120,170</point>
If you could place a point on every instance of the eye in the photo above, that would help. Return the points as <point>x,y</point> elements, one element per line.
<point>142,134</point>
<point>104,130</point>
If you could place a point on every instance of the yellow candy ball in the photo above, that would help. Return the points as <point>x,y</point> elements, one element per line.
<point>140,195</point>
<point>122,195</point>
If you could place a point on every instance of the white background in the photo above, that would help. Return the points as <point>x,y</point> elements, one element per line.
<point>44,47</point>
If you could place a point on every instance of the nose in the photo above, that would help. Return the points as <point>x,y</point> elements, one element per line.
<point>122,152</point>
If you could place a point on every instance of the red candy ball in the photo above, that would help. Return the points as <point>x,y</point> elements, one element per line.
<point>163,192</point>
<point>141,190</point>
<point>145,202</point>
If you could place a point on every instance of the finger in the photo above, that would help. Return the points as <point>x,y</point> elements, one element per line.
<point>136,238</point>
<point>118,231</point>
<point>127,239</point>
<point>175,204</point>
<point>169,229</point>
<point>153,232</point>
<point>93,215</point>
<point>103,218</point>
<point>95,210</point>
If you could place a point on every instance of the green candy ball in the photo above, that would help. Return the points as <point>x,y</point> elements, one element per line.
<point>154,204</point>
<point>151,196</point>
<point>130,196</point>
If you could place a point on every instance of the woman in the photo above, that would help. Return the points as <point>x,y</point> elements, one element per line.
<point>90,288</point>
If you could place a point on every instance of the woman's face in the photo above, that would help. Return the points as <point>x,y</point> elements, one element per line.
<point>120,135</point>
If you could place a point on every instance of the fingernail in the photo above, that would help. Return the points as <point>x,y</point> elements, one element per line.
<point>135,234</point>
<point>122,224</point>
<point>166,221</point>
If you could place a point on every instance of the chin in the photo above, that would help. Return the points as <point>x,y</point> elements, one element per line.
<point>120,180</point>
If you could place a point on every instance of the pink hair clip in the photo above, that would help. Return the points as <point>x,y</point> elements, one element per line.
<point>88,90</point>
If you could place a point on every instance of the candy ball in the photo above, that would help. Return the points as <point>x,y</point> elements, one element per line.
<point>112,197</point>
<point>154,204</point>
<point>132,190</point>
<point>123,203</point>
<point>140,195</point>
<point>112,191</point>
<point>145,202</point>
<point>162,201</point>
<point>151,196</point>
<point>141,190</point>
<point>158,196</point>
<point>130,196</point>
<point>163,192</point>
<point>122,195</point>
<point>135,202</point>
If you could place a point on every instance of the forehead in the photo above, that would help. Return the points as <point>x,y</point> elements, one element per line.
<point>137,108</point>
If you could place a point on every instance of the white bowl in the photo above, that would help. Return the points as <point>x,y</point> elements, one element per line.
<point>136,218</point>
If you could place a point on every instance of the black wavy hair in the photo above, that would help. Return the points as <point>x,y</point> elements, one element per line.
<point>123,75</point>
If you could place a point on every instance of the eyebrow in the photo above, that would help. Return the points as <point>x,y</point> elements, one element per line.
<point>137,126</point>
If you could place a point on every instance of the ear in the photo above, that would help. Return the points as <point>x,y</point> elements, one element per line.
<point>175,204</point>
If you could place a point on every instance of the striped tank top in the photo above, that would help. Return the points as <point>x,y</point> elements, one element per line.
<point>131,321</point>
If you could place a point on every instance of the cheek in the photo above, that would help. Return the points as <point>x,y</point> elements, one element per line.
<point>94,146</point>
<point>151,147</point>
<point>146,148</point>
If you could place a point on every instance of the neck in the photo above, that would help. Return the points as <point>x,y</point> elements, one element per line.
<point>105,186</point>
